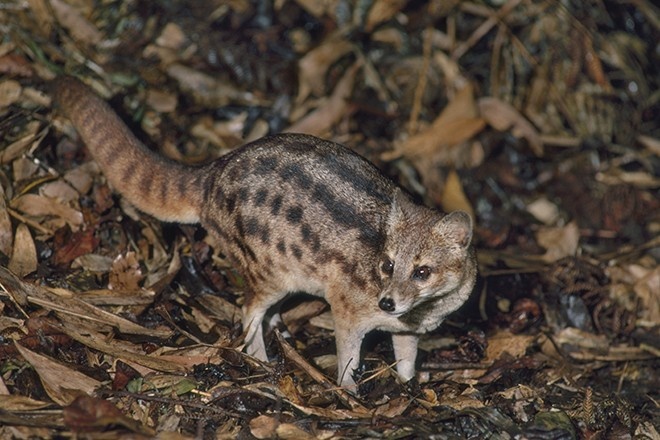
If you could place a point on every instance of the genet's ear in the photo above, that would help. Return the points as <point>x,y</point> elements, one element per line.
<point>458,225</point>
<point>400,205</point>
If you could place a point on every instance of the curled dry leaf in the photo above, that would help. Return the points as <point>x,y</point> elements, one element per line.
<point>24,255</point>
<point>503,116</point>
<point>313,67</point>
<point>334,108</point>
<point>457,123</point>
<point>70,18</point>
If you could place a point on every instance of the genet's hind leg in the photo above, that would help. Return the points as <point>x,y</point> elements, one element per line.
<point>254,311</point>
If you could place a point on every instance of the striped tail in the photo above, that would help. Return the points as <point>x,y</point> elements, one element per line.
<point>168,190</point>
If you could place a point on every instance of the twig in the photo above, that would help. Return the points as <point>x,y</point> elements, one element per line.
<point>482,30</point>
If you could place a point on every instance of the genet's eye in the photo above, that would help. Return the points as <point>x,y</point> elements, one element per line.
<point>421,273</point>
<point>387,266</point>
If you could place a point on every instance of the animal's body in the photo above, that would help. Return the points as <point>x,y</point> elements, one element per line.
<point>295,213</point>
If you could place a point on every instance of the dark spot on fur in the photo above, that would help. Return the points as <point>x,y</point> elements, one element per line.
<point>230,202</point>
<point>296,251</point>
<point>345,214</point>
<point>265,165</point>
<point>281,247</point>
<point>129,171</point>
<point>247,251</point>
<point>306,232</point>
<point>240,228</point>
<point>294,173</point>
<point>253,227</point>
<point>260,197</point>
<point>275,205</point>
<point>294,214</point>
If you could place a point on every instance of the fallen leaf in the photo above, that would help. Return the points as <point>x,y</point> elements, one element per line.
<point>62,384</point>
<point>81,29</point>
<point>10,92</point>
<point>264,427</point>
<point>503,116</point>
<point>382,11</point>
<point>458,122</point>
<point>334,108</point>
<point>39,206</point>
<point>559,242</point>
<point>24,254</point>
<point>544,210</point>
<point>313,67</point>
<point>453,197</point>
<point>6,231</point>
<point>86,414</point>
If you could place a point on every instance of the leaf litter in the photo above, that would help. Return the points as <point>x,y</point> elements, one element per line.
<point>539,118</point>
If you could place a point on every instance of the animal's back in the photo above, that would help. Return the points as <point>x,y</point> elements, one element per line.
<point>295,203</point>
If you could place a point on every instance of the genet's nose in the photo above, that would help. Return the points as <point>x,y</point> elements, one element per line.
<point>386,304</point>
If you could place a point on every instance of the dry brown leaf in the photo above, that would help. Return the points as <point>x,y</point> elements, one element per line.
<point>206,90</point>
<point>162,102</point>
<point>334,108</point>
<point>317,8</point>
<point>59,190</point>
<point>87,414</point>
<point>36,205</point>
<point>453,196</point>
<point>24,254</point>
<point>313,67</point>
<point>129,353</point>
<point>544,210</point>
<point>457,123</point>
<point>21,403</point>
<point>559,242</point>
<point>263,427</point>
<point>43,15</point>
<point>503,116</point>
<point>66,303</point>
<point>82,178</point>
<point>393,408</point>
<point>6,231</point>
<point>220,308</point>
<point>172,37</point>
<point>290,431</point>
<point>381,11</point>
<point>20,146</point>
<point>79,27</point>
<point>62,383</point>
<point>506,342</point>
<point>10,92</point>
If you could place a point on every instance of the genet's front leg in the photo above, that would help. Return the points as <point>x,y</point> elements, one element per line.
<point>348,338</point>
<point>405,352</point>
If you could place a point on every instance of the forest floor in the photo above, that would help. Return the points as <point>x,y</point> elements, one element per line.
<point>540,118</point>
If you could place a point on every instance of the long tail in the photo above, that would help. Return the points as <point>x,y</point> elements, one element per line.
<point>168,190</point>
